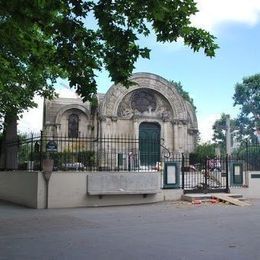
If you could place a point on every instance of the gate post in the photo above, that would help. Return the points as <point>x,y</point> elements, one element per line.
<point>182,169</point>
<point>227,175</point>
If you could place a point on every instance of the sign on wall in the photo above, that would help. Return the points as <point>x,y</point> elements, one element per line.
<point>51,146</point>
<point>171,175</point>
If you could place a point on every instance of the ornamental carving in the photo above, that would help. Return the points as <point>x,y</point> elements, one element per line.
<point>143,100</point>
<point>115,103</point>
<point>144,103</point>
<point>124,110</point>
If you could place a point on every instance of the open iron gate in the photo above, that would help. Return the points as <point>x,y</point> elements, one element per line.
<point>210,175</point>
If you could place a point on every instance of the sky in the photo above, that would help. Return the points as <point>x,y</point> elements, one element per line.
<point>209,81</point>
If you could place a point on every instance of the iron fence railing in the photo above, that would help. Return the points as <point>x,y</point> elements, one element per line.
<point>108,153</point>
<point>216,174</point>
<point>117,153</point>
<point>250,153</point>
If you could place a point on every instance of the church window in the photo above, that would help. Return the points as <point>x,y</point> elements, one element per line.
<point>73,126</point>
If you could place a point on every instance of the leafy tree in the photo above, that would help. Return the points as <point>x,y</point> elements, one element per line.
<point>247,96</point>
<point>44,40</point>
<point>219,128</point>
<point>183,93</point>
<point>202,151</point>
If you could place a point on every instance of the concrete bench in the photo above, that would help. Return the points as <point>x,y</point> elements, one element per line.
<point>123,183</point>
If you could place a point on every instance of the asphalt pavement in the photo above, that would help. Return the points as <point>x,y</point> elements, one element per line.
<point>169,230</point>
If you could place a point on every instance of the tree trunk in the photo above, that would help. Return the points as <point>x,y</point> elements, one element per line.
<point>9,147</point>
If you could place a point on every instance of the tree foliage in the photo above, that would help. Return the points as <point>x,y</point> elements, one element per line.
<point>47,39</point>
<point>183,93</point>
<point>247,97</point>
<point>203,151</point>
<point>43,40</point>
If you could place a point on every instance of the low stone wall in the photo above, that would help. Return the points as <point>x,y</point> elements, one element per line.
<point>83,189</point>
<point>97,189</point>
<point>24,188</point>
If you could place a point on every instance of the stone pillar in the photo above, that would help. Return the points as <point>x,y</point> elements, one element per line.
<point>228,135</point>
<point>136,127</point>
<point>9,149</point>
<point>175,137</point>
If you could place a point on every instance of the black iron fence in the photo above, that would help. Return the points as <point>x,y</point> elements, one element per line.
<point>212,174</point>
<point>250,152</point>
<point>120,153</point>
<point>110,153</point>
<point>124,153</point>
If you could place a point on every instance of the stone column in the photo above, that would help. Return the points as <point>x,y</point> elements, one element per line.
<point>175,136</point>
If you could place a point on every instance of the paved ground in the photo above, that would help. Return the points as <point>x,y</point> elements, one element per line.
<point>155,231</point>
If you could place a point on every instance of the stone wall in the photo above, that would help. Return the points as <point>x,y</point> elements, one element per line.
<point>71,189</point>
<point>24,188</point>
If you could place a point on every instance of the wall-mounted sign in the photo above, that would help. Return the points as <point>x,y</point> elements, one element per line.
<point>236,176</point>
<point>51,146</point>
<point>171,175</point>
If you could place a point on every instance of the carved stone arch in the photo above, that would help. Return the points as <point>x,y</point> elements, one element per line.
<point>142,101</point>
<point>117,92</point>
<point>191,116</point>
<point>81,108</point>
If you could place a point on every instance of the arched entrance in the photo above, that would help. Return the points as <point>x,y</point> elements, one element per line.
<point>149,143</point>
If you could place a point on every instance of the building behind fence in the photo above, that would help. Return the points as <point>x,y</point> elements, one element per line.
<point>108,153</point>
<point>114,153</point>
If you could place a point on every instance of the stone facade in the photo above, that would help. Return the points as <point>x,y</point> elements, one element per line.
<point>121,111</point>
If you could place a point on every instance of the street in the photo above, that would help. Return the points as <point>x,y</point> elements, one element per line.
<point>170,230</point>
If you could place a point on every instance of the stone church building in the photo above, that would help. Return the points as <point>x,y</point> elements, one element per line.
<point>150,107</point>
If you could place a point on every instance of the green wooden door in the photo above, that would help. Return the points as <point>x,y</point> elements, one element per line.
<point>149,143</point>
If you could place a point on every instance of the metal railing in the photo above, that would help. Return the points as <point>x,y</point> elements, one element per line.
<point>108,153</point>
<point>250,153</point>
<point>126,153</point>
<point>205,175</point>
